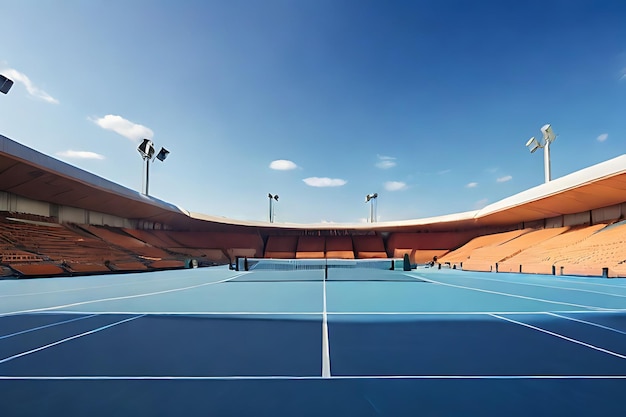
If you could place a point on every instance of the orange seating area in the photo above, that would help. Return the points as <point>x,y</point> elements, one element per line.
<point>339,247</point>
<point>38,269</point>
<point>36,246</point>
<point>540,258</point>
<point>281,247</point>
<point>46,242</point>
<point>217,247</point>
<point>311,247</point>
<point>596,250</point>
<point>369,246</point>
<point>601,253</point>
<point>490,257</point>
<point>424,247</point>
<point>117,237</point>
<point>460,256</point>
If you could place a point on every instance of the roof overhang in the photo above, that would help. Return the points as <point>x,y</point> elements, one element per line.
<point>31,174</point>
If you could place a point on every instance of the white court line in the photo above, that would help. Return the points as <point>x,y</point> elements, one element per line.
<point>329,313</point>
<point>325,342</point>
<point>133,281</point>
<point>510,295</point>
<point>196,313</point>
<point>300,378</point>
<point>6,336</point>
<point>124,297</point>
<point>588,322</point>
<point>552,286</point>
<point>560,336</point>
<point>581,280</point>
<point>67,339</point>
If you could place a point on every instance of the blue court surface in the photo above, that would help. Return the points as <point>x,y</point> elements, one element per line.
<point>217,342</point>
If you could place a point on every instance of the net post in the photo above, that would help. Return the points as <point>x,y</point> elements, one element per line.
<point>406,262</point>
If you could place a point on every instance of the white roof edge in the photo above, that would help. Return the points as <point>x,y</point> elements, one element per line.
<point>64,169</point>
<point>465,216</point>
<point>606,169</point>
<point>587,175</point>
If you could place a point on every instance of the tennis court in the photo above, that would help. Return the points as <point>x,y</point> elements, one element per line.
<point>349,342</point>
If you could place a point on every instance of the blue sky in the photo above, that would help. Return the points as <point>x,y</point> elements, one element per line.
<point>427,103</point>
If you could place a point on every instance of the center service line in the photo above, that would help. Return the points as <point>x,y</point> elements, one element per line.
<point>325,344</point>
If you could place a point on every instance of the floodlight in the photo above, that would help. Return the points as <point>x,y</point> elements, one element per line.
<point>146,149</point>
<point>372,198</point>
<point>532,144</point>
<point>5,84</point>
<point>271,213</point>
<point>162,154</point>
<point>548,134</point>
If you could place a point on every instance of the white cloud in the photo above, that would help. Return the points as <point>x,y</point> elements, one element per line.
<point>623,74</point>
<point>33,90</point>
<point>80,154</point>
<point>324,182</point>
<point>603,137</point>
<point>385,162</point>
<point>395,185</point>
<point>283,165</point>
<point>472,185</point>
<point>126,128</point>
<point>505,178</point>
<point>444,172</point>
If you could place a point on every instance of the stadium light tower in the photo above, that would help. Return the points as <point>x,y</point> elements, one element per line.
<point>5,84</point>
<point>146,150</point>
<point>272,199</point>
<point>372,199</point>
<point>533,144</point>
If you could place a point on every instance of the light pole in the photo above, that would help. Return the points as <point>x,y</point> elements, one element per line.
<point>146,150</point>
<point>372,199</point>
<point>5,84</point>
<point>533,144</point>
<point>272,199</point>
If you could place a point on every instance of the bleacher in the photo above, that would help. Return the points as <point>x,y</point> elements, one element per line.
<point>39,246</point>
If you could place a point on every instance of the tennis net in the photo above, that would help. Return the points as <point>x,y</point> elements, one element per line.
<point>265,269</point>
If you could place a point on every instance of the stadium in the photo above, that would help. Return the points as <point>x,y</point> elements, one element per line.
<point>476,292</point>
<point>117,302</point>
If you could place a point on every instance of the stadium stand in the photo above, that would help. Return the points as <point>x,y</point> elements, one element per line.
<point>311,247</point>
<point>60,249</point>
<point>208,247</point>
<point>600,254</point>
<point>339,247</point>
<point>117,237</point>
<point>540,258</point>
<point>470,251</point>
<point>369,246</point>
<point>424,247</point>
<point>281,247</point>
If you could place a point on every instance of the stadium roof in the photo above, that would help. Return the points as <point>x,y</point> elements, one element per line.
<point>31,174</point>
